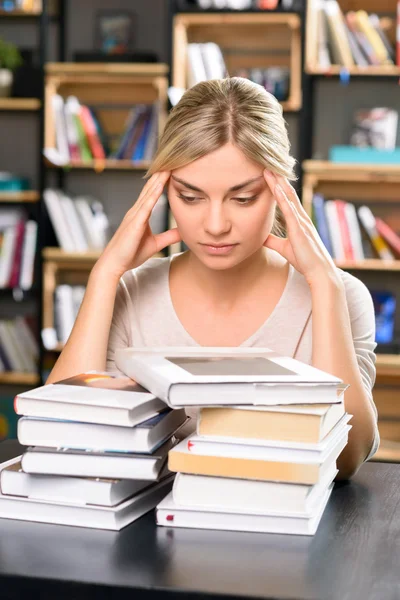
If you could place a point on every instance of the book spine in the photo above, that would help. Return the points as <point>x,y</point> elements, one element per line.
<point>91,133</point>
<point>388,234</point>
<point>321,221</point>
<point>369,223</point>
<point>344,230</point>
<point>16,264</point>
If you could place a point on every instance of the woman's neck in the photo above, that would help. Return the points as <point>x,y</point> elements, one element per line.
<point>224,288</point>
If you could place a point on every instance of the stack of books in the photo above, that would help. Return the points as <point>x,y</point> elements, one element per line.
<point>269,432</point>
<point>97,447</point>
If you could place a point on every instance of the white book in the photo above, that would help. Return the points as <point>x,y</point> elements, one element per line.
<point>213,60</point>
<point>98,517</point>
<point>92,397</point>
<point>28,255</point>
<point>196,69</point>
<point>171,515</point>
<point>234,446</point>
<point>109,465</point>
<point>94,237</point>
<point>278,466</point>
<point>28,362</point>
<point>143,438</point>
<point>60,128</point>
<point>209,376</point>
<point>64,309</point>
<point>75,490</point>
<point>25,333</point>
<point>367,218</point>
<point>334,229</point>
<point>354,230</point>
<point>7,255</point>
<point>250,496</point>
<point>308,454</point>
<point>9,348</point>
<point>323,58</point>
<point>57,218</point>
<point>74,224</point>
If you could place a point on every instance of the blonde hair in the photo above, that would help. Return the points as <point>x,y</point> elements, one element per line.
<point>215,112</point>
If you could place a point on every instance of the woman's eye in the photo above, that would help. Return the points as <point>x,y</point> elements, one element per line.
<point>245,200</point>
<point>188,199</point>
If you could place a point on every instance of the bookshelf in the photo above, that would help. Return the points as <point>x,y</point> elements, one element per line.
<point>386,11</point>
<point>247,40</point>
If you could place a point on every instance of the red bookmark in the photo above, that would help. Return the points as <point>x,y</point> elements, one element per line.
<point>169,518</point>
<point>190,445</point>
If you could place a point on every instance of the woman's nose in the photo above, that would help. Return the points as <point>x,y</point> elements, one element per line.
<point>216,221</point>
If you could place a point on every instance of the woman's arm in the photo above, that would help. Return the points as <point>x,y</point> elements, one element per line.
<point>86,348</point>
<point>333,352</point>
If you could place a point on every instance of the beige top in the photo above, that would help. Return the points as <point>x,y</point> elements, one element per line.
<point>145,316</point>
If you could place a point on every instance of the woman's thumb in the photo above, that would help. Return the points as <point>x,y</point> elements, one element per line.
<point>276,243</point>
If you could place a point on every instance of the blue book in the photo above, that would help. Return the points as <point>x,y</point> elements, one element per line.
<point>318,203</point>
<point>354,154</point>
<point>138,152</point>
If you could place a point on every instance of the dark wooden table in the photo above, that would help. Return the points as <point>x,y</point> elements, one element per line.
<point>355,554</point>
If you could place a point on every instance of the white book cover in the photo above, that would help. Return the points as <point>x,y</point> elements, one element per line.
<point>250,495</point>
<point>170,515</point>
<point>64,311</point>
<point>87,463</point>
<point>213,60</point>
<point>183,376</point>
<point>57,218</point>
<point>93,397</point>
<point>60,128</point>
<point>14,347</point>
<point>74,224</point>
<point>28,361</point>
<point>28,255</point>
<point>354,230</point>
<point>68,490</point>
<point>305,455</point>
<point>94,237</point>
<point>144,437</point>
<point>334,229</point>
<point>98,517</point>
<point>196,69</point>
<point>9,348</point>
<point>7,255</point>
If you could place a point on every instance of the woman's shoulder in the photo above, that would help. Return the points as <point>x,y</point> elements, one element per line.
<point>149,273</point>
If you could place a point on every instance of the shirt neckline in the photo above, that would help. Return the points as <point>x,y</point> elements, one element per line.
<point>267,323</point>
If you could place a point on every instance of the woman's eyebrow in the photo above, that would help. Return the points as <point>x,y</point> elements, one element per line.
<point>234,188</point>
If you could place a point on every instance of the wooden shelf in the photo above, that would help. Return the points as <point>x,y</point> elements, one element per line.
<point>27,196</point>
<point>16,378</point>
<point>370,71</point>
<point>132,69</point>
<point>351,171</point>
<point>370,264</point>
<point>388,365</point>
<point>247,40</point>
<point>59,256</point>
<point>20,104</point>
<point>19,13</point>
<point>103,165</point>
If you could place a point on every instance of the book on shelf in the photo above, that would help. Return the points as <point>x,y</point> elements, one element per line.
<point>353,233</point>
<point>144,438</point>
<point>19,350</point>
<point>288,423</point>
<point>92,397</point>
<point>354,38</point>
<point>385,315</point>
<point>81,137</point>
<point>183,376</point>
<point>18,239</point>
<point>74,222</point>
<point>67,302</point>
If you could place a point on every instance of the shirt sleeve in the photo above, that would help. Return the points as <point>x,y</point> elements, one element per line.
<point>362,317</point>
<point>120,335</point>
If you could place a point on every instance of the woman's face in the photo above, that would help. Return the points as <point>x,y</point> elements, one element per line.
<point>221,226</point>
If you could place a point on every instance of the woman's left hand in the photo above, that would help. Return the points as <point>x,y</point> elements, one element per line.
<point>303,247</point>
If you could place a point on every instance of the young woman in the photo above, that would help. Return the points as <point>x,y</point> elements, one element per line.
<point>224,161</point>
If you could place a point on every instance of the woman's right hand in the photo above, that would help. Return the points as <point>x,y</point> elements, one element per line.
<point>133,243</point>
